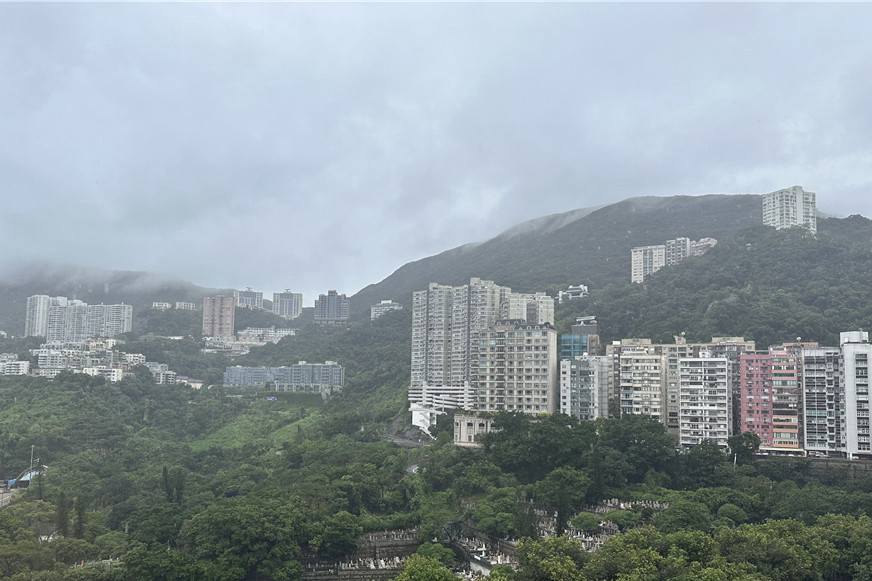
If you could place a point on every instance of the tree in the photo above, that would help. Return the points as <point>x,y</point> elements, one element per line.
<point>62,515</point>
<point>421,568</point>
<point>78,518</point>
<point>550,559</point>
<point>684,515</point>
<point>563,490</point>
<point>743,447</point>
<point>437,552</point>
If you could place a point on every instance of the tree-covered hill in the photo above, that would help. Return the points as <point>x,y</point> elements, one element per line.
<point>576,247</point>
<point>767,285</point>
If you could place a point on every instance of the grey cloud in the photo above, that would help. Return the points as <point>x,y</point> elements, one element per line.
<point>314,146</point>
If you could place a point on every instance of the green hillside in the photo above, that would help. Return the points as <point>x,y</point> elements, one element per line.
<point>767,285</point>
<point>592,248</point>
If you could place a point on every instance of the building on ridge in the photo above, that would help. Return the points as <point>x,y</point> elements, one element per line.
<point>382,307</point>
<point>287,304</point>
<point>332,309</point>
<point>790,207</point>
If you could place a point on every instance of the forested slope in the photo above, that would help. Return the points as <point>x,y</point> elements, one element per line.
<point>767,285</point>
<point>593,249</point>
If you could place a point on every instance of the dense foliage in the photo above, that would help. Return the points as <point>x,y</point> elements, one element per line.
<point>767,285</point>
<point>560,250</point>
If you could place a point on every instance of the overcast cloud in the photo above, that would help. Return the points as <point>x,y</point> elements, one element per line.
<point>322,146</point>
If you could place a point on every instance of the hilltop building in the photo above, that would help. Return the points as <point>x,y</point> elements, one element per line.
<point>382,307</point>
<point>287,304</point>
<point>161,306</point>
<point>789,208</point>
<point>219,316</point>
<point>185,306</point>
<point>248,299</point>
<point>332,309</point>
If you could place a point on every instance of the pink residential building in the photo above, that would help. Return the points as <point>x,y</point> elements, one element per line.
<point>770,399</point>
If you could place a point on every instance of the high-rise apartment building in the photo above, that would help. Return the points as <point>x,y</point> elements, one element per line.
<point>790,207</point>
<point>672,353</point>
<point>856,355</point>
<point>332,309</point>
<point>677,250</point>
<point>641,382</point>
<point>219,316</point>
<point>517,369</point>
<point>584,387</point>
<point>36,316</point>
<point>446,324</point>
<point>73,321</point>
<point>287,304</point>
<point>823,400</point>
<point>646,260</point>
<point>770,392</point>
<point>382,307</point>
<point>705,393</point>
<point>248,298</point>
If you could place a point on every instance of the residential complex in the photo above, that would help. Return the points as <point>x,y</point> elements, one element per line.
<point>646,260</point>
<point>789,208</point>
<point>248,299</point>
<point>287,304</point>
<point>219,313</point>
<point>382,307</point>
<point>95,357</point>
<point>161,306</point>
<point>63,319</point>
<point>325,378</point>
<point>185,306</point>
<point>332,309</point>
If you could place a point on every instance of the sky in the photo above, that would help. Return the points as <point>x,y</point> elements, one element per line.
<point>316,146</point>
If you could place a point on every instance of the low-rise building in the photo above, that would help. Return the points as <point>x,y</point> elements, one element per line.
<point>185,306</point>
<point>382,307</point>
<point>572,292</point>
<point>469,428</point>
<point>161,306</point>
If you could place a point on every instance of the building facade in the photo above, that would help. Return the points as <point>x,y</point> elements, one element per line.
<point>287,304</point>
<point>248,299</point>
<point>518,369</point>
<point>705,409</point>
<point>382,307</point>
<point>219,316</point>
<point>332,309</point>
<point>584,387</point>
<point>823,401</point>
<point>677,250</point>
<point>789,208</point>
<point>325,378</point>
<point>36,316</point>
<point>646,260</point>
